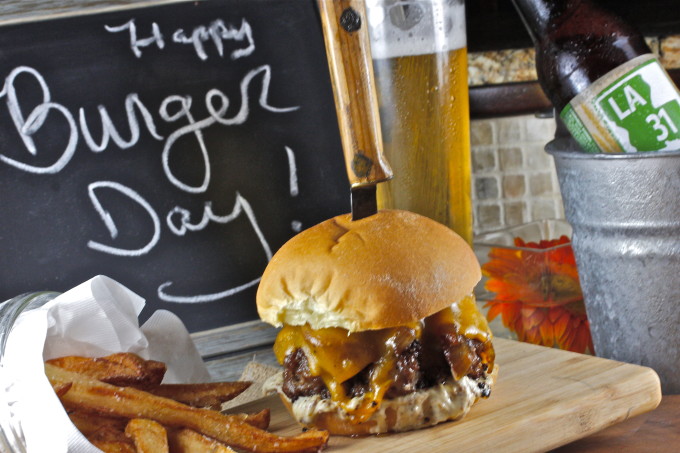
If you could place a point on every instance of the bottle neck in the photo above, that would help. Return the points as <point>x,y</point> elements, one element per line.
<point>539,15</point>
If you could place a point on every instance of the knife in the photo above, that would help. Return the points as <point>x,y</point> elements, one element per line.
<point>345,29</point>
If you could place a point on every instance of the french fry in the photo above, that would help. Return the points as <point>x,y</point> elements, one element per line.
<point>62,389</point>
<point>149,436</point>
<point>210,395</point>
<point>129,370</point>
<point>88,423</point>
<point>111,439</point>
<point>152,371</point>
<point>100,397</point>
<point>122,369</point>
<point>259,420</point>
<point>114,446</point>
<point>188,441</point>
<point>105,427</point>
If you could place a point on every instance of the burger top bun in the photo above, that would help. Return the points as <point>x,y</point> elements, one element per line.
<point>386,270</point>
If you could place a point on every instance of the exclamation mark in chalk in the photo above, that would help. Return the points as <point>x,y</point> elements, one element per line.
<point>296,225</point>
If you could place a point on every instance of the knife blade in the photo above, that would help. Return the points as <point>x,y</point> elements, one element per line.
<point>364,201</point>
<point>345,29</point>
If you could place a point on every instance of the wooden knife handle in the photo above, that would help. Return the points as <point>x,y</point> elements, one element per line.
<point>345,29</point>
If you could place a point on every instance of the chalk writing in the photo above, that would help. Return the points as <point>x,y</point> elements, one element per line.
<point>216,116</point>
<point>292,171</point>
<point>111,225</point>
<point>172,109</point>
<point>109,131</point>
<point>295,225</point>
<point>26,127</point>
<point>241,206</point>
<point>216,32</point>
<point>162,295</point>
<point>137,44</point>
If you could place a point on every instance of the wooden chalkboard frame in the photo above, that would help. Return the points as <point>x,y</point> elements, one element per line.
<point>227,350</point>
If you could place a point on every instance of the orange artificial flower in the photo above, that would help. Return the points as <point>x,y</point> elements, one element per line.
<point>538,294</point>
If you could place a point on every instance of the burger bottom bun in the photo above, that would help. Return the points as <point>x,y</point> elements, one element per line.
<point>427,407</point>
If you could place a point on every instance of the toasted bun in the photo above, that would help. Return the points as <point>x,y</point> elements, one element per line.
<point>386,270</point>
<point>428,407</point>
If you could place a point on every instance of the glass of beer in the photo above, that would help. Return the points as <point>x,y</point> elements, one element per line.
<point>420,64</point>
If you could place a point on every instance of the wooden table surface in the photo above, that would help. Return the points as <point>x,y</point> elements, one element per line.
<point>657,431</point>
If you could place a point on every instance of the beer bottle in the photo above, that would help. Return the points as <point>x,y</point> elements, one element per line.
<point>610,90</point>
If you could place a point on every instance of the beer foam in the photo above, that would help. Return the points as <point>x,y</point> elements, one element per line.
<point>415,27</point>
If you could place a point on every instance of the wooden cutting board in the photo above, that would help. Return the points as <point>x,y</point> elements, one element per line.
<point>544,398</point>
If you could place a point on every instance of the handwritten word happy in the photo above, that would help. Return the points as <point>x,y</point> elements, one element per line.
<point>217,32</point>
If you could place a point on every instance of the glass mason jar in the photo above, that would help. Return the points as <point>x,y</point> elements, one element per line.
<point>419,51</point>
<point>11,435</point>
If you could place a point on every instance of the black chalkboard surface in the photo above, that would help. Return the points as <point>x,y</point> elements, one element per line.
<point>173,148</point>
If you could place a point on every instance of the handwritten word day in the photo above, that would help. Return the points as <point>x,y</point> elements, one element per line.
<point>173,108</point>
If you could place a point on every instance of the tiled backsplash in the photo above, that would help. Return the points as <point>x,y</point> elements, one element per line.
<point>514,179</point>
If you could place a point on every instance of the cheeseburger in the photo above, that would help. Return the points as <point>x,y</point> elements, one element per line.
<point>380,328</point>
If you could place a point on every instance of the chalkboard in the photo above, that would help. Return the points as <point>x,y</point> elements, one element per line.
<point>173,148</point>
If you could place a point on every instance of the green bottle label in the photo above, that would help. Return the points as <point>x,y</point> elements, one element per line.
<point>635,107</point>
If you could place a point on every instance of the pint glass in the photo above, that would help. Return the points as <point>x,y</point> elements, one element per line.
<point>420,64</point>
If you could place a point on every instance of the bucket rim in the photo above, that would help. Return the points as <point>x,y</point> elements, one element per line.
<point>568,148</point>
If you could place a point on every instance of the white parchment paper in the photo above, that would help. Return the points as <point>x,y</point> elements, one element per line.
<point>97,318</point>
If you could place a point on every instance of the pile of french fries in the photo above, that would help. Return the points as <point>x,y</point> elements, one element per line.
<point>120,405</point>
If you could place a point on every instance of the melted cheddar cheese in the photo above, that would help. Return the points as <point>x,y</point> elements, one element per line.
<point>337,355</point>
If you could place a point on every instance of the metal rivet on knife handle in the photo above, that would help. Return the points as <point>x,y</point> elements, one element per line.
<point>350,20</point>
<point>362,165</point>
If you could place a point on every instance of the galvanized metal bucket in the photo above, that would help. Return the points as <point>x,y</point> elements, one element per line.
<point>625,213</point>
